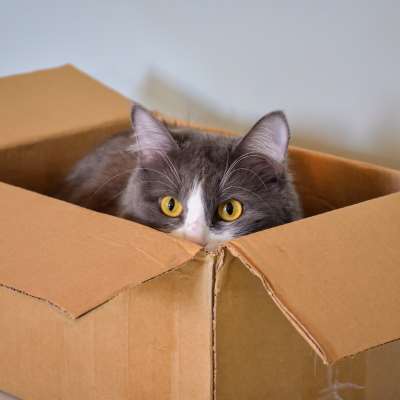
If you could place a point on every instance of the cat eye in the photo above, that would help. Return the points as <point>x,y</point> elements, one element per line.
<point>230,210</point>
<point>171,207</point>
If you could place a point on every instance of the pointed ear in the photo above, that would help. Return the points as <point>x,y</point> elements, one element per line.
<point>151,136</point>
<point>269,136</point>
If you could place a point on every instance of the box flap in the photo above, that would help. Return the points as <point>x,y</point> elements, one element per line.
<point>335,276</point>
<point>56,102</point>
<point>74,258</point>
<point>326,182</point>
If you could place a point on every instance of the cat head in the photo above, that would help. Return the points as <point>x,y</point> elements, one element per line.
<point>208,188</point>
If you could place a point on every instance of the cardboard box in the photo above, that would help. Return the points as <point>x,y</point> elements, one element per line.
<point>96,307</point>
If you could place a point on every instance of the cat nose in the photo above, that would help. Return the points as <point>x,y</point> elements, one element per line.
<point>196,232</point>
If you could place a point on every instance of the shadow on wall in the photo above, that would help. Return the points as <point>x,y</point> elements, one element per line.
<point>382,143</point>
<point>386,136</point>
<point>162,94</point>
<point>168,97</point>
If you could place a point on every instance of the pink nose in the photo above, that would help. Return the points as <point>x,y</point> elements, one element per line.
<point>196,233</point>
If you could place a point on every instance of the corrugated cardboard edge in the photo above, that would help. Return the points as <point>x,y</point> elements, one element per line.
<point>128,287</point>
<point>42,299</point>
<point>297,324</point>
<point>112,296</point>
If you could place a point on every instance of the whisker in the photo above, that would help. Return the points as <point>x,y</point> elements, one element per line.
<point>137,147</point>
<point>241,158</point>
<point>242,188</point>
<point>226,175</point>
<point>114,197</point>
<point>226,167</point>
<point>157,181</point>
<point>108,181</point>
<point>172,168</point>
<point>252,172</point>
<point>160,173</point>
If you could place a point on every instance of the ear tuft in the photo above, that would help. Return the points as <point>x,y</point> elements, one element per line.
<point>269,136</point>
<point>151,136</point>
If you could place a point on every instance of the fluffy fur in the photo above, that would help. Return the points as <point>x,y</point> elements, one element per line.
<point>129,174</point>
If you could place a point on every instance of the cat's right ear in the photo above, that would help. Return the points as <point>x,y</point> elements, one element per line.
<point>152,138</point>
<point>269,136</point>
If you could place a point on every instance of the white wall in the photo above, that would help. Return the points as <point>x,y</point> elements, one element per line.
<point>332,66</point>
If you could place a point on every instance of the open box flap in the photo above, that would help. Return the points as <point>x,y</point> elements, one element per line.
<point>57,102</point>
<point>335,276</point>
<point>74,258</point>
<point>326,182</point>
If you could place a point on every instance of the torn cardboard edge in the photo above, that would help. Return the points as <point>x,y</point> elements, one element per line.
<point>300,327</point>
<point>112,296</point>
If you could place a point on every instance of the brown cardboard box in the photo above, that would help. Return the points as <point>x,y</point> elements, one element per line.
<point>96,307</point>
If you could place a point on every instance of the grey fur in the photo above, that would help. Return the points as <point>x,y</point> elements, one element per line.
<point>127,177</point>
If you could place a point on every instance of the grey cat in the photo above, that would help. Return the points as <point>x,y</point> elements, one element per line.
<point>202,187</point>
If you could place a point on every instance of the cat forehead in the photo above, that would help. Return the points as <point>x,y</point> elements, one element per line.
<point>206,152</point>
<point>192,137</point>
<point>196,159</point>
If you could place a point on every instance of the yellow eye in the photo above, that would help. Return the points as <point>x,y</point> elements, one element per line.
<point>230,210</point>
<point>171,207</point>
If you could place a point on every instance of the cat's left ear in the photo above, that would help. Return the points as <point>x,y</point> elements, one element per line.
<point>269,136</point>
<point>151,136</point>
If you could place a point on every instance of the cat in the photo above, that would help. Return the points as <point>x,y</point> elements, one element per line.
<point>201,187</point>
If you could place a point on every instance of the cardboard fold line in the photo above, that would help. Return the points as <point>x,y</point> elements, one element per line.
<point>329,289</point>
<point>87,310</point>
<point>72,254</point>
<point>296,322</point>
<point>24,293</point>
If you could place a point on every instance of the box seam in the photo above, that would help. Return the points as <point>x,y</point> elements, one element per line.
<point>218,262</point>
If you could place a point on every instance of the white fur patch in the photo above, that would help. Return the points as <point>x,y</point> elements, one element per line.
<point>216,239</point>
<point>195,226</point>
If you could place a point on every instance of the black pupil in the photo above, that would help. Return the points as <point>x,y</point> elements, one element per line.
<point>229,208</point>
<point>171,204</point>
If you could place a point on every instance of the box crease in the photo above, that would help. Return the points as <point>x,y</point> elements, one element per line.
<point>219,258</point>
<point>112,296</point>
<point>298,325</point>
